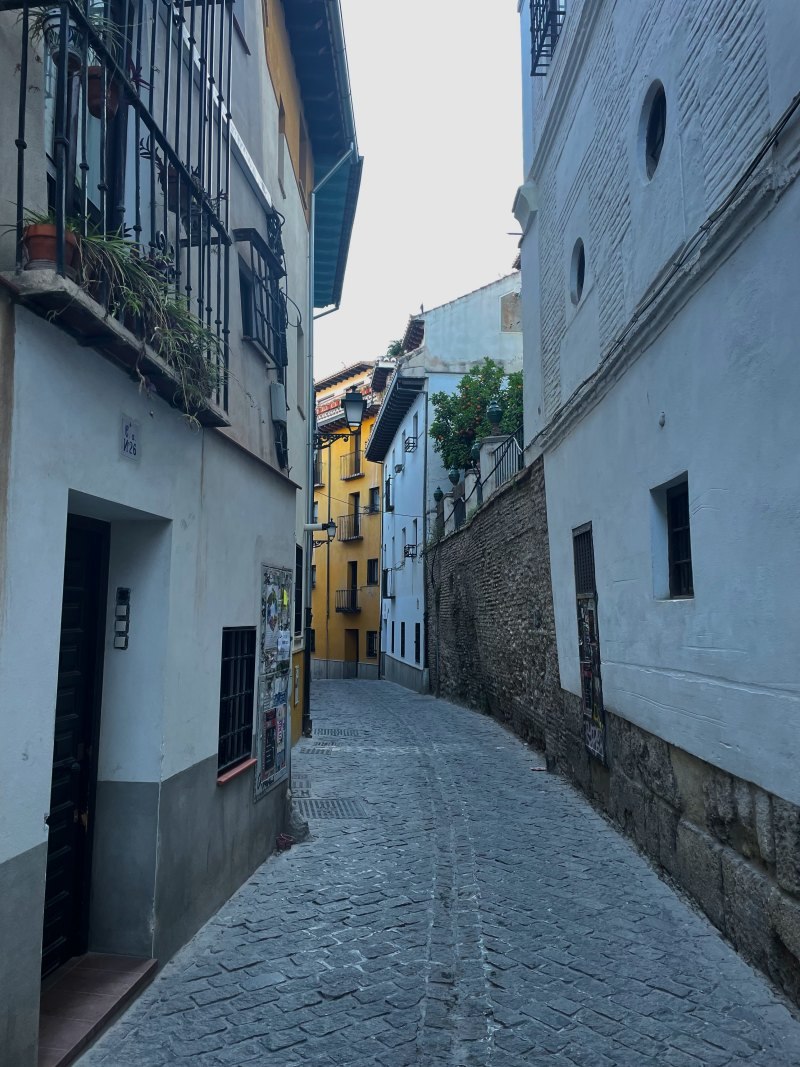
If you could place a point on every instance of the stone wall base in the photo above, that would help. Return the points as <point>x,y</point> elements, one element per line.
<point>733,847</point>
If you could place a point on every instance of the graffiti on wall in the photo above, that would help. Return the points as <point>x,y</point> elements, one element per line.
<point>274,679</point>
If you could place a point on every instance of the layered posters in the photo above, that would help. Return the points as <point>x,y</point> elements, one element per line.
<point>274,679</point>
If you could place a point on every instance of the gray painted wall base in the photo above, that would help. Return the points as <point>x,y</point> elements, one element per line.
<point>405,674</point>
<point>22,896</point>
<point>336,669</point>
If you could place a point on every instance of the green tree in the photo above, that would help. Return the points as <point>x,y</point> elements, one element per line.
<point>395,349</point>
<point>460,417</point>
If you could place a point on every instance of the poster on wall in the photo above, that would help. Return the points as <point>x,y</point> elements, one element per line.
<point>274,679</point>
<point>594,715</point>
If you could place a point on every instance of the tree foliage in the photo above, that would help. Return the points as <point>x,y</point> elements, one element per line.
<point>460,417</point>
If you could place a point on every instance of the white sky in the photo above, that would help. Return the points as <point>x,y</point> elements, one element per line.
<point>436,94</point>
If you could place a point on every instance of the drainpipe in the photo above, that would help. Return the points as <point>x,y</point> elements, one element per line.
<point>310,428</point>
<point>425,612</point>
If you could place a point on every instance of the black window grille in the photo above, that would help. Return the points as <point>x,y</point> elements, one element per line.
<point>583,549</point>
<point>547,18</point>
<point>402,639</point>
<point>236,696</point>
<point>372,644</point>
<point>374,505</point>
<point>261,267</point>
<point>387,496</point>
<point>680,541</point>
<point>298,590</point>
<point>372,571</point>
<point>417,641</point>
<point>392,637</point>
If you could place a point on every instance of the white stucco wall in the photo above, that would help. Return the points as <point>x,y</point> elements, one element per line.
<point>191,522</point>
<point>712,674</point>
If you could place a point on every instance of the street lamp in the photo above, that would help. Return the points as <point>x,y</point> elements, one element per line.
<point>328,528</point>
<point>354,406</point>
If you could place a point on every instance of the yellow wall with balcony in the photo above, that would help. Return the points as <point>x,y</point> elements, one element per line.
<point>348,489</point>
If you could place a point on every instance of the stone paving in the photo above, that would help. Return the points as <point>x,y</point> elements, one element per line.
<point>479,913</point>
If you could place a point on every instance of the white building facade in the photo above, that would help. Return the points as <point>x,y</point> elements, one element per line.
<point>439,347</point>
<point>144,556</point>
<point>660,319</point>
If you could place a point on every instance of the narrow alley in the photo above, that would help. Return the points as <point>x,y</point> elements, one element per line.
<point>457,905</point>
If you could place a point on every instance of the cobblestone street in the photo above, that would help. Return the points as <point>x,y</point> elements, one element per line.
<point>469,909</point>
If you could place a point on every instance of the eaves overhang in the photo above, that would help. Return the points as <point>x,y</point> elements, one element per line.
<point>316,35</point>
<point>402,393</point>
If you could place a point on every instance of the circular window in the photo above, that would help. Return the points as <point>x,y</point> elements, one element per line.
<point>577,274</point>
<point>655,118</point>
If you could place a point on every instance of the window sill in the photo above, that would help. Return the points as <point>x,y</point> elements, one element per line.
<point>234,772</point>
<point>256,345</point>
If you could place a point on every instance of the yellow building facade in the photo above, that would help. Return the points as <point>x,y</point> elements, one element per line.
<point>346,571</point>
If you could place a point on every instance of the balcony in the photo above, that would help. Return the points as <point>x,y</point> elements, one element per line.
<point>348,527</point>
<point>120,231</point>
<point>387,585</point>
<point>352,465</point>
<point>347,601</point>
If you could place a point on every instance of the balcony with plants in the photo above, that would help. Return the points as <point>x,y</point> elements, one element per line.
<point>119,220</point>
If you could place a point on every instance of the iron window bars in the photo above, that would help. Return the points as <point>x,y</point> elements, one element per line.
<point>137,93</point>
<point>236,696</point>
<point>372,644</point>
<point>583,549</point>
<point>264,312</point>
<point>681,583</point>
<point>410,551</point>
<point>547,18</point>
<point>410,444</point>
<point>374,504</point>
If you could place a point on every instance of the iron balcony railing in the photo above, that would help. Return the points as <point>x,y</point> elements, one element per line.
<point>507,459</point>
<point>352,464</point>
<point>387,584</point>
<point>134,100</point>
<point>547,18</point>
<point>347,601</point>
<point>348,527</point>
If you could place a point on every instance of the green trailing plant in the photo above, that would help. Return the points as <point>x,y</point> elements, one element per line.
<point>460,417</point>
<point>44,24</point>
<point>135,289</point>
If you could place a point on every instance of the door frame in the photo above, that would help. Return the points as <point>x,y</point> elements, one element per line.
<point>80,522</point>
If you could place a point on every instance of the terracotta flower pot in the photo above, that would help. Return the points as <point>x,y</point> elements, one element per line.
<point>39,240</point>
<point>94,94</point>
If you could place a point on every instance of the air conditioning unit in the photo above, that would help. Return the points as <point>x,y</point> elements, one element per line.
<point>277,403</point>
<point>410,551</point>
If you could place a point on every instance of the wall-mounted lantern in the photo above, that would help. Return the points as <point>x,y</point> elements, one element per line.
<point>494,414</point>
<point>438,495</point>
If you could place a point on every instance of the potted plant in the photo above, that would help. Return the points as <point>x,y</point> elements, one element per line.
<point>45,26</point>
<point>39,241</point>
<point>94,93</point>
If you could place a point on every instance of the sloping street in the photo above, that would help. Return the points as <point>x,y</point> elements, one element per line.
<point>463,907</point>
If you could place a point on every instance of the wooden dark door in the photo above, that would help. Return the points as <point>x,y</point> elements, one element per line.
<point>77,705</point>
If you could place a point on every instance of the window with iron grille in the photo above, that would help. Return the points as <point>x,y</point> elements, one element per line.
<point>417,633</point>
<point>236,696</point>
<point>681,583</point>
<point>264,315</point>
<point>583,549</point>
<point>372,571</point>
<point>374,505</point>
<point>298,590</point>
<point>372,644</point>
<point>402,639</point>
<point>547,18</point>
<point>392,637</point>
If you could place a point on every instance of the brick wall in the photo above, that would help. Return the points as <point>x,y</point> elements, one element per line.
<point>491,633</point>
